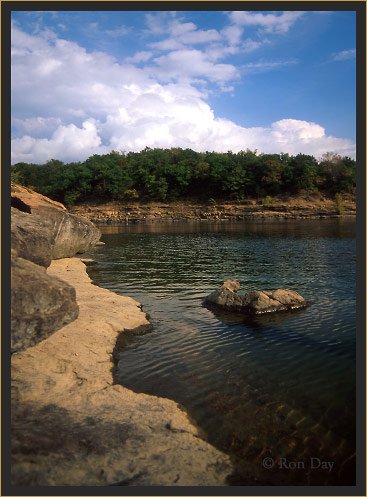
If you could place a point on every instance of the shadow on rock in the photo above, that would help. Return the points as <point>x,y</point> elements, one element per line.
<point>254,321</point>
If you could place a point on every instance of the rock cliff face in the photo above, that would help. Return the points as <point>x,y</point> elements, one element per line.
<point>255,302</point>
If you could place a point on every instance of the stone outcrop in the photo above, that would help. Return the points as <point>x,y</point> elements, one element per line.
<point>73,426</point>
<point>256,302</point>
<point>71,234</point>
<point>42,230</point>
<point>31,237</point>
<point>40,303</point>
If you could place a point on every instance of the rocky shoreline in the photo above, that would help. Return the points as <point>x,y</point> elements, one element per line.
<point>71,424</point>
<point>302,206</point>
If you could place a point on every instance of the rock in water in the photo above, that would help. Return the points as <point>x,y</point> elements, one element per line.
<point>255,302</point>
<point>40,303</point>
<point>71,234</point>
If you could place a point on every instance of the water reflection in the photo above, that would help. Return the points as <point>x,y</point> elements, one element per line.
<point>340,227</point>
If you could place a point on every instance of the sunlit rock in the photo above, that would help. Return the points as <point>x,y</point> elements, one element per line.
<point>255,302</point>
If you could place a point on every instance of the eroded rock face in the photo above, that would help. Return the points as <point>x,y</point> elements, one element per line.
<point>70,234</point>
<point>40,304</point>
<point>31,237</point>
<point>255,302</point>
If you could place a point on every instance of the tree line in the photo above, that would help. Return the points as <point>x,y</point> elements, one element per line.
<point>176,174</point>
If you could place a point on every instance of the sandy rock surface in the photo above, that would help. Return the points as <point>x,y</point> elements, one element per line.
<point>72,426</point>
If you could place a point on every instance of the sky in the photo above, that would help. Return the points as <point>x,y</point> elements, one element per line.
<point>86,83</point>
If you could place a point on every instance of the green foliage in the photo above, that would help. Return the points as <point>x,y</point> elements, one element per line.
<point>178,173</point>
<point>212,201</point>
<point>267,201</point>
<point>70,197</point>
<point>130,194</point>
<point>338,200</point>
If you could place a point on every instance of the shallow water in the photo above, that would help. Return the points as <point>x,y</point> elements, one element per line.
<point>281,386</point>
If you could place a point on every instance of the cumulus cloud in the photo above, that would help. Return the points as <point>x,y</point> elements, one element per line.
<point>67,143</point>
<point>69,104</point>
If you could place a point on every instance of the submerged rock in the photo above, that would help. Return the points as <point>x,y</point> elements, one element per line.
<point>255,302</point>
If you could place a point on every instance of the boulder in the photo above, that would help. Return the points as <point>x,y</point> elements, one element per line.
<point>255,302</point>
<point>31,237</point>
<point>71,234</point>
<point>40,303</point>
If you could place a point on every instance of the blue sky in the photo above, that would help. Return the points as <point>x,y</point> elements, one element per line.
<point>89,82</point>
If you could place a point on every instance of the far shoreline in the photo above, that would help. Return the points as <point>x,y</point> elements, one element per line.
<point>302,206</point>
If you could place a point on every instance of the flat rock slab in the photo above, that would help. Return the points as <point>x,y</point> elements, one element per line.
<point>73,426</point>
<point>256,302</point>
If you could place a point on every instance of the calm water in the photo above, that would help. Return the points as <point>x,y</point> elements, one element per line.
<point>280,387</point>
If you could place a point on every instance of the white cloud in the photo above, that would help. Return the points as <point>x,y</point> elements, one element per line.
<point>157,22</point>
<point>69,104</point>
<point>139,57</point>
<point>189,34</point>
<point>168,44</point>
<point>67,143</point>
<point>37,126</point>
<point>189,63</point>
<point>232,34</point>
<point>251,45</point>
<point>217,51</point>
<point>345,55</point>
<point>271,23</point>
<point>262,66</point>
<point>182,34</point>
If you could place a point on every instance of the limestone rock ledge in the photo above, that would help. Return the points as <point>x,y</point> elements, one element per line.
<point>72,426</point>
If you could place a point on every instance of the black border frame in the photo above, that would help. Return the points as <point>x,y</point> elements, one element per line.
<point>7,6</point>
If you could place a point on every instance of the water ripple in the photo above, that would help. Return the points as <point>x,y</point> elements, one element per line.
<point>264,381</point>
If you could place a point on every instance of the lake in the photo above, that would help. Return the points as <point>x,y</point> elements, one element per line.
<point>277,392</point>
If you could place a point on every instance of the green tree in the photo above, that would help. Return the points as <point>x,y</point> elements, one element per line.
<point>304,174</point>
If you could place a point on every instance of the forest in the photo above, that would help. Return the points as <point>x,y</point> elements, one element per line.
<point>179,174</point>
